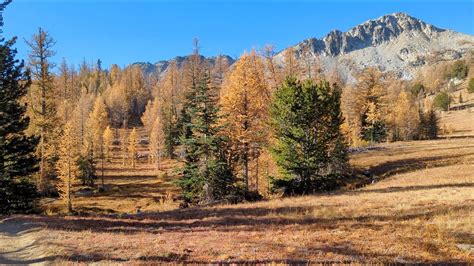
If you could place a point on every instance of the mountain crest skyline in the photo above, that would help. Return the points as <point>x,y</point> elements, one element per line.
<point>393,42</point>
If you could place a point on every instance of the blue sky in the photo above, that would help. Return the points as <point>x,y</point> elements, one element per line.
<point>124,31</point>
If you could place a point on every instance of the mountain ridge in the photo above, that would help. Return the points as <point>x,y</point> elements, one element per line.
<point>372,32</point>
<point>394,42</point>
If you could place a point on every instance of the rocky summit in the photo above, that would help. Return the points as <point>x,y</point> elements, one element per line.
<point>396,42</point>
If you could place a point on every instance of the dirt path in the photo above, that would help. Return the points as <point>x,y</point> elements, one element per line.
<point>20,243</point>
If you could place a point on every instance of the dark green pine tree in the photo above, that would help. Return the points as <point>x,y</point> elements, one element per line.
<point>171,130</point>
<point>337,142</point>
<point>17,158</point>
<point>432,125</point>
<point>422,126</point>
<point>428,127</point>
<point>310,147</point>
<point>206,174</point>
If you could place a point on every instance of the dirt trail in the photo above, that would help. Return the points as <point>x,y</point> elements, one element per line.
<point>20,243</point>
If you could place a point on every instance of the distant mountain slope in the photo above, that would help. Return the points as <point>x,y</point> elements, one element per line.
<point>395,42</point>
<point>160,67</point>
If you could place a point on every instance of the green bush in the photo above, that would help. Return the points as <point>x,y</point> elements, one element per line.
<point>459,70</point>
<point>86,170</point>
<point>416,89</point>
<point>442,101</point>
<point>470,87</point>
<point>296,186</point>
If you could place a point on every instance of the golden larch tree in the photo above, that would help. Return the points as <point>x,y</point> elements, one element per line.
<point>148,117</point>
<point>42,105</point>
<point>404,118</point>
<point>67,164</point>
<point>108,139</point>
<point>245,110</point>
<point>292,67</point>
<point>364,106</point>
<point>124,145</point>
<point>98,121</point>
<point>157,142</point>
<point>274,74</point>
<point>132,147</point>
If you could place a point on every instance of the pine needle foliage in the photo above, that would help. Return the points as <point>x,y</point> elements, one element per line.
<point>309,147</point>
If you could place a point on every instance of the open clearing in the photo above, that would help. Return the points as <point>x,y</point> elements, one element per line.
<point>420,211</point>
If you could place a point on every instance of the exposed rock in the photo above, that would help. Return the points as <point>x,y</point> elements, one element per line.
<point>396,42</point>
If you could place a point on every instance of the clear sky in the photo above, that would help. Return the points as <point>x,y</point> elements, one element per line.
<point>124,32</point>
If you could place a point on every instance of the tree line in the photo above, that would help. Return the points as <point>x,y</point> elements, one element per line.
<point>240,132</point>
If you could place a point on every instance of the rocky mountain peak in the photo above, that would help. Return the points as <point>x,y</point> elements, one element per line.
<point>395,42</point>
<point>370,33</point>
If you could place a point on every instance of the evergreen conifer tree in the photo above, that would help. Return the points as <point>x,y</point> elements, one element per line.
<point>17,151</point>
<point>310,147</point>
<point>206,174</point>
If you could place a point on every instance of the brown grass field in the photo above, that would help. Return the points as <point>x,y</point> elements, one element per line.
<point>419,209</point>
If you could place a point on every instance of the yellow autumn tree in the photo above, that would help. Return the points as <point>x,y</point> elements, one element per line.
<point>124,145</point>
<point>274,74</point>
<point>245,110</point>
<point>170,103</point>
<point>352,116</point>
<point>108,138</point>
<point>404,118</point>
<point>132,147</point>
<point>364,106</point>
<point>116,99</point>
<point>42,107</point>
<point>66,164</point>
<point>292,67</point>
<point>157,142</point>
<point>150,114</point>
<point>98,121</point>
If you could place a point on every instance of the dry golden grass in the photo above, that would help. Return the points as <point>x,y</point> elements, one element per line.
<point>126,190</point>
<point>388,159</point>
<point>420,212</point>
<point>459,122</point>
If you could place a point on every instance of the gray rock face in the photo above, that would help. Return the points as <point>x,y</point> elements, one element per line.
<point>395,42</point>
<point>370,33</point>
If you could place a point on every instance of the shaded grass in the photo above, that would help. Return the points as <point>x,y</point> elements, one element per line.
<point>418,210</point>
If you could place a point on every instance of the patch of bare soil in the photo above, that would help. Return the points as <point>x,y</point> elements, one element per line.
<point>20,242</point>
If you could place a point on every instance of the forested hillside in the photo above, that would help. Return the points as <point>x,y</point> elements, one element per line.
<point>334,150</point>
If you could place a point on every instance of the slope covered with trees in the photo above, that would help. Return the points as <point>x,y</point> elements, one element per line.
<point>268,123</point>
<point>17,159</point>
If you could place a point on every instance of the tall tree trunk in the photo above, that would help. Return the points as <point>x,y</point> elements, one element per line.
<point>246,166</point>
<point>69,204</point>
<point>42,164</point>
<point>103,157</point>
<point>158,161</point>
<point>256,178</point>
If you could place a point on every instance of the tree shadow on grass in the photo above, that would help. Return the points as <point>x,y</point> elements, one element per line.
<point>230,220</point>
<point>391,168</point>
<point>410,188</point>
